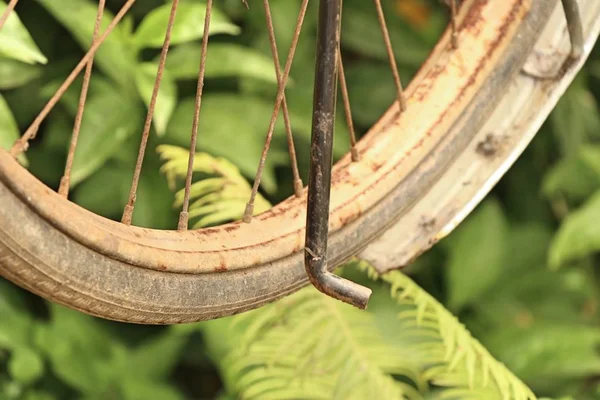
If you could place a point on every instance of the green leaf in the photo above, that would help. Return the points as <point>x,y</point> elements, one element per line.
<point>590,156</point>
<point>16,42</point>
<point>108,202</point>
<point>362,33</point>
<point>70,340</point>
<point>234,127</point>
<point>115,56</point>
<point>25,366</point>
<point>223,60</point>
<point>579,234</point>
<point>153,207</point>
<point>144,389</point>
<point>9,132</point>
<point>15,329</point>
<point>108,121</point>
<point>156,358</point>
<point>576,120</point>
<point>188,25</point>
<point>15,73</point>
<point>476,254</point>
<point>572,178</point>
<point>167,94</point>
<point>548,351</point>
<point>370,90</point>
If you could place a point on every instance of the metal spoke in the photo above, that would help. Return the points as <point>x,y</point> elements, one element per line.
<point>23,142</point>
<point>249,211</point>
<point>9,8</point>
<point>128,211</point>
<point>347,108</point>
<point>184,215</point>
<point>65,182</point>
<point>286,116</point>
<point>574,26</point>
<point>392,58</point>
<point>454,23</point>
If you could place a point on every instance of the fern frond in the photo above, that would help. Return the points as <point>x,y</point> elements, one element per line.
<point>458,361</point>
<point>218,198</point>
<point>308,346</point>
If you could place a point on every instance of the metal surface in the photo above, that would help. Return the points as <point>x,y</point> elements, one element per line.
<point>321,156</point>
<point>526,103</point>
<point>575,26</point>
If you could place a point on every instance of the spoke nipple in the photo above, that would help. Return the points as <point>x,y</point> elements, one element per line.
<point>184,218</point>
<point>402,101</point>
<point>355,155</point>
<point>248,213</point>
<point>18,148</point>
<point>454,40</point>
<point>298,187</point>
<point>63,189</point>
<point>127,214</point>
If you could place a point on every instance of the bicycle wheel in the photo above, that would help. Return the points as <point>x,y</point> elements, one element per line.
<point>66,254</point>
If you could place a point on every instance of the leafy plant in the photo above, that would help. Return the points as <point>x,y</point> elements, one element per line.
<point>310,346</point>
<point>520,273</point>
<point>219,199</point>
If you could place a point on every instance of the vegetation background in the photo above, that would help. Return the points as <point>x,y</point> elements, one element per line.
<point>521,273</point>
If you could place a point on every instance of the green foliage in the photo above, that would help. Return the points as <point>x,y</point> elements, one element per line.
<point>493,273</point>
<point>16,42</point>
<point>579,235</point>
<point>483,263</point>
<point>310,346</point>
<point>215,200</point>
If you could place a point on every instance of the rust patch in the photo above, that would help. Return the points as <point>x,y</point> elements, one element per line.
<point>474,17</point>
<point>489,146</point>
<point>427,224</point>
<point>232,228</point>
<point>206,231</point>
<point>345,219</point>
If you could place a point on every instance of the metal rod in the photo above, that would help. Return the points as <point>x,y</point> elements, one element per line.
<point>184,216</point>
<point>65,181</point>
<point>298,185</point>
<point>321,152</point>
<point>249,211</point>
<point>454,24</point>
<point>130,206</point>
<point>575,27</point>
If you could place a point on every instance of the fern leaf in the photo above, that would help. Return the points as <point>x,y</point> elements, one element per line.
<point>309,346</point>
<point>467,363</point>
<point>216,199</point>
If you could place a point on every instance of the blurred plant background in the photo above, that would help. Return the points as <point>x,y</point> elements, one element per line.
<point>521,273</point>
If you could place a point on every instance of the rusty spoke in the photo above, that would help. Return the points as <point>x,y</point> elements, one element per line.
<point>286,116</point>
<point>184,215</point>
<point>392,59</point>
<point>347,108</point>
<point>23,142</point>
<point>249,211</point>
<point>454,23</point>
<point>9,8</point>
<point>129,207</point>
<point>65,182</point>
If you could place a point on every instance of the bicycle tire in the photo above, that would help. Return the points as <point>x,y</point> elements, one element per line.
<point>71,256</point>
